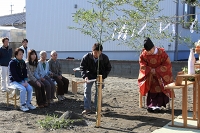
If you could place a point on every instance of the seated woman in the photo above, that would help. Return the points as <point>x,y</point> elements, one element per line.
<point>55,68</point>
<point>18,78</point>
<point>42,73</point>
<point>36,83</point>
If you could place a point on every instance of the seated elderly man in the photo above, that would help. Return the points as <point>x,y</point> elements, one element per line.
<point>55,68</point>
<point>18,78</point>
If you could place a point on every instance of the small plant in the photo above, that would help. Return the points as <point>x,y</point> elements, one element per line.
<point>185,70</point>
<point>190,1</point>
<point>52,122</point>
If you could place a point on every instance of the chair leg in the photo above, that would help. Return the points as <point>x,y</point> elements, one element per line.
<point>144,101</point>
<point>172,92</point>
<point>33,93</point>
<point>194,99</point>
<point>168,106</point>
<point>140,100</point>
<point>7,96</point>
<point>56,90</point>
<point>74,87</point>
<point>15,100</point>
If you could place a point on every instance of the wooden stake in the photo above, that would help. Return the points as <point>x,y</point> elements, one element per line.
<point>99,97</point>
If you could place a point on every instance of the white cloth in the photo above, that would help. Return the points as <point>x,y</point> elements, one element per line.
<point>155,51</point>
<point>24,56</point>
<point>5,81</point>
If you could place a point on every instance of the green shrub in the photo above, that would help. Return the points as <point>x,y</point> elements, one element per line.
<point>52,122</point>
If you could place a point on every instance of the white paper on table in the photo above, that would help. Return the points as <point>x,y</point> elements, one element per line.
<point>191,61</point>
<point>76,69</point>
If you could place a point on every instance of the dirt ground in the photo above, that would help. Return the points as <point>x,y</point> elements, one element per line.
<point>121,112</point>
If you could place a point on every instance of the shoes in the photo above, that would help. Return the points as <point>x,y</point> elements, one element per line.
<point>24,108</point>
<point>40,106</point>
<point>86,111</point>
<point>50,101</point>
<point>45,105</point>
<point>150,110</point>
<point>157,109</point>
<point>30,106</point>
<point>54,97</point>
<point>5,90</point>
<point>63,97</point>
<point>154,109</point>
<point>60,98</point>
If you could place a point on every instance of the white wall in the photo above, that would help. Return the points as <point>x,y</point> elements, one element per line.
<point>47,24</point>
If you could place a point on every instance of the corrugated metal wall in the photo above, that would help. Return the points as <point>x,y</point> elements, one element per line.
<point>47,26</point>
<point>48,21</point>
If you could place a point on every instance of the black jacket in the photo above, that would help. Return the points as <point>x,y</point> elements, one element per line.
<point>89,67</point>
<point>5,56</point>
<point>17,71</point>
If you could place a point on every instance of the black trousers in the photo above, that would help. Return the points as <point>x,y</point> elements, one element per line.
<point>39,92</point>
<point>63,85</point>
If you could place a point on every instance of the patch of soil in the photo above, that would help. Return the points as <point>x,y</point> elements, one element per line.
<point>120,111</point>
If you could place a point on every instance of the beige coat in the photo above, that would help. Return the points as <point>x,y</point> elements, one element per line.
<point>30,71</point>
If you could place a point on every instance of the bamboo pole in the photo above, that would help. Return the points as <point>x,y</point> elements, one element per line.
<point>99,97</point>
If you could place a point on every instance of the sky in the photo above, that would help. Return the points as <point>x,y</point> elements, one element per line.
<point>5,8</point>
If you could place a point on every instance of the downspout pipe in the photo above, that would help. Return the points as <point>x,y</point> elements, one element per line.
<point>176,29</point>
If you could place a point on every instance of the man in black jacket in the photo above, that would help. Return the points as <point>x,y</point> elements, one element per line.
<point>5,57</point>
<point>89,70</point>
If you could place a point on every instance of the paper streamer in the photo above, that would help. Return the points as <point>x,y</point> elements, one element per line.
<point>142,29</point>
<point>113,35</point>
<point>133,33</point>
<point>192,25</point>
<point>125,35</point>
<point>121,31</point>
<point>166,27</point>
<point>173,29</point>
<point>160,27</point>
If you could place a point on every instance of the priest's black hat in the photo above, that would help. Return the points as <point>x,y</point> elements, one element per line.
<point>148,44</point>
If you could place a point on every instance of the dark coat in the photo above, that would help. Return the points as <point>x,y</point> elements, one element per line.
<point>17,70</point>
<point>5,56</point>
<point>89,67</point>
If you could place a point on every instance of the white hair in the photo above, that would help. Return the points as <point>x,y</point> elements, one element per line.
<point>52,52</point>
<point>42,52</point>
